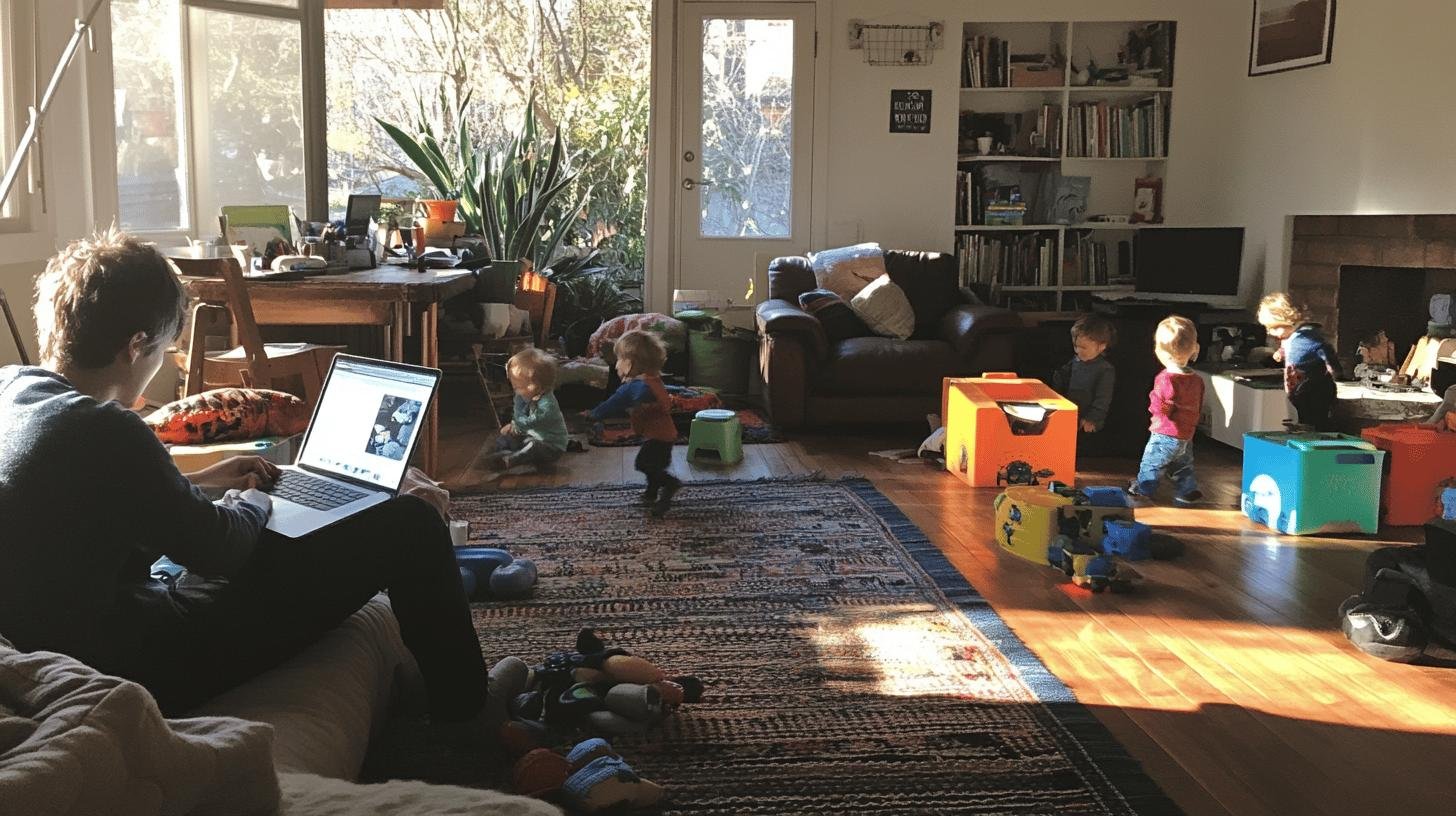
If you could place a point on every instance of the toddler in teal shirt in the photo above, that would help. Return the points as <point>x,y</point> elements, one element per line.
<point>536,434</point>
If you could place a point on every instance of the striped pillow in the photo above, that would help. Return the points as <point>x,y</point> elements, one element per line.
<point>839,321</point>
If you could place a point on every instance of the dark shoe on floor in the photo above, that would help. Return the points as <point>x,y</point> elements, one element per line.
<point>664,500</point>
<point>1189,499</point>
<point>648,498</point>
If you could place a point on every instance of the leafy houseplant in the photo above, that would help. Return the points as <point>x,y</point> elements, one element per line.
<point>511,197</point>
<point>590,293</point>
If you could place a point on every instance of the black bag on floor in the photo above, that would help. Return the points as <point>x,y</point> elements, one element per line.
<point>1407,610</point>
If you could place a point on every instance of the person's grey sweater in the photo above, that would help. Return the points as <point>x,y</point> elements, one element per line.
<point>1089,385</point>
<point>89,499</point>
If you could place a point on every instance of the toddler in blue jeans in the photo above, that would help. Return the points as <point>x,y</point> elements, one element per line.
<point>1175,404</point>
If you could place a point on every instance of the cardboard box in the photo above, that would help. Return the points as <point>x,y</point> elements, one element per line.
<point>1022,76</point>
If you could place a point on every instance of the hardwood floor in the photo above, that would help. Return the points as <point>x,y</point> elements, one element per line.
<point>1226,674</point>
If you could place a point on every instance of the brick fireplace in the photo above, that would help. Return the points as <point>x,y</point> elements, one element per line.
<point>1362,272</point>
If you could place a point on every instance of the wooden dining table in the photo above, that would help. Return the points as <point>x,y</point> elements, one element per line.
<point>400,299</point>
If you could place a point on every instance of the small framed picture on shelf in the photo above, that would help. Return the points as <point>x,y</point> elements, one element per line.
<point>1147,200</point>
<point>1290,34</point>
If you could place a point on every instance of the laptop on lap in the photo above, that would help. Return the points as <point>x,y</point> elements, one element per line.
<point>357,446</point>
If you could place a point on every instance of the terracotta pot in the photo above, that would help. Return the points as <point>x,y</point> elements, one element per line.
<point>440,209</point>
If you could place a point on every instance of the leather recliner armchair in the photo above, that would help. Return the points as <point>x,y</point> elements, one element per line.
<point>810,382</point>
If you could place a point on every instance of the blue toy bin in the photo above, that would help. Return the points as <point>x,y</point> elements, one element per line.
<point>1303,483</point>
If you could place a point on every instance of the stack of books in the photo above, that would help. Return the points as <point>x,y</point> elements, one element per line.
<point>986,63</point>
<point>1025,259</point>
<point>1107,130</point>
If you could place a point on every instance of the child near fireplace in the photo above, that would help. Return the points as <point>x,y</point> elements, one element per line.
<point>1310,364</point>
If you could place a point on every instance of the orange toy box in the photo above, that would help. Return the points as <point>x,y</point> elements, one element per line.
<point>1419,460</point>
<point>996,419</point>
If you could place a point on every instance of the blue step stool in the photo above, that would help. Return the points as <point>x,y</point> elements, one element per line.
<point>718,432</point>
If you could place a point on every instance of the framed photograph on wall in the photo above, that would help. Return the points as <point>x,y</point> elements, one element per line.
<point>1291,34</point>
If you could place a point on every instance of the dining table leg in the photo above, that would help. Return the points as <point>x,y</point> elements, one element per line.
<point>430,358</point>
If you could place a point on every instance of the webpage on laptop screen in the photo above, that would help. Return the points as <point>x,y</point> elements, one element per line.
<point>366,423</point>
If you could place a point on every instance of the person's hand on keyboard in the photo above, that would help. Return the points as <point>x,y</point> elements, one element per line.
<point>237,473</point>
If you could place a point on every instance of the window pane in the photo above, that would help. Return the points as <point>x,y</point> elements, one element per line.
<point>150,179</point>
<point>748,81</point>
<point>247,112</point>
<point>8,130</point>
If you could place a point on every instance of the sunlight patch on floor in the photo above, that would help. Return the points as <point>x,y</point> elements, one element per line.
<point>915,652</point>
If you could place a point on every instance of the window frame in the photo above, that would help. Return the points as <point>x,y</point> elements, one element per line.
<point>18,55</point>
<point>309,14</point>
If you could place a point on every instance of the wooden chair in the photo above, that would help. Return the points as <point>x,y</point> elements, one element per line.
<point>297,368</point>
<point>20,351</point>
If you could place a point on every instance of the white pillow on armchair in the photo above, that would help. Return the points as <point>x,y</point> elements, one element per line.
<point>884,307</point>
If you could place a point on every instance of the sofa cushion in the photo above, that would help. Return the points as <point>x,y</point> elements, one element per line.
<point>847,270</point>
<point>931,284</point>
<point>75,741</point>
<point>326,701</point>
<point>834,314</point>
<point>882,365</point>
<point>884,308</point>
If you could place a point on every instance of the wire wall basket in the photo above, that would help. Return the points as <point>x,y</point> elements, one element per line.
<point>897,44</point>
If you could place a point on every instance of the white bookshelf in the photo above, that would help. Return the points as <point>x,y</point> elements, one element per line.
<point>1112,176</point>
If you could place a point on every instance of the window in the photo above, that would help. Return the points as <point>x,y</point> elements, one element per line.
<point>209,110</point>
<point>16,70</point>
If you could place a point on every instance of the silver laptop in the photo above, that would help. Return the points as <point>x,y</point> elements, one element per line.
<point>358,444</point>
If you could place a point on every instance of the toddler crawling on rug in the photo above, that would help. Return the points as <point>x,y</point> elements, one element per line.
<point>640,357</point>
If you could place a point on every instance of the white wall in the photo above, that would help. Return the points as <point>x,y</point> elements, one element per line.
<point>1373,132</point>
<point>898,189</point>
<point>69,163</point>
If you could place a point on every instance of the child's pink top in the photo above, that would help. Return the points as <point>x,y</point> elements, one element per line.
<point>1175,403</point>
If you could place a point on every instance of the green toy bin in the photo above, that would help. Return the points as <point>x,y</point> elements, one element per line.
<point>719,357</point>
<point>1302,483</point>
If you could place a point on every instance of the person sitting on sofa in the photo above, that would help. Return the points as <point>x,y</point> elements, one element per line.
<point>90,499</point>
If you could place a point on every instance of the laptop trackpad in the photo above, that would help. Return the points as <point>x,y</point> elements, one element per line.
<point>294,520</point>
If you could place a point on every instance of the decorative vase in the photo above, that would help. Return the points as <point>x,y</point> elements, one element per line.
<point>983,145</point>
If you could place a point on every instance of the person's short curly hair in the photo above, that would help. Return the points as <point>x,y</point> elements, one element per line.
<point>1278,306</point>
<point>99,292</point>
<point>534,366</point>
<point>644,352</point>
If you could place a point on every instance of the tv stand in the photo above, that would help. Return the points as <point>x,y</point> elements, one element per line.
<point>1136,306</point>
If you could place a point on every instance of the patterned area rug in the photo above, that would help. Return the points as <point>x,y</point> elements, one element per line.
<point>849,667</point>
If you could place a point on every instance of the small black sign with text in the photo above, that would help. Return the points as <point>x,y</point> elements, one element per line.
<point>909,111</point>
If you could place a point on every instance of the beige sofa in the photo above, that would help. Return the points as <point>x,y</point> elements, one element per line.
<point>66,737</point>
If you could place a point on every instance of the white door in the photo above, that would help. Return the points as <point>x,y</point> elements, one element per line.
<point>746,108</point>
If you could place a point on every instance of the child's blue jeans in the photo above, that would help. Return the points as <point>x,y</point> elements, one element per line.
<point>1171,455</point>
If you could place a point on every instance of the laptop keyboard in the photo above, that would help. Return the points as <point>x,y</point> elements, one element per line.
<point>319,494</point>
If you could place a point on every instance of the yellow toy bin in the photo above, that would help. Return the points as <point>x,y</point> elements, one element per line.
<point>1028,517</point>
<point>1000,418</point>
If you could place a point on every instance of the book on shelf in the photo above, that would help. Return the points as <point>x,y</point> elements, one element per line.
<point>1090,262</point>
<point>985,62</point>
<point>1109,130</point>
<point>996,260</point>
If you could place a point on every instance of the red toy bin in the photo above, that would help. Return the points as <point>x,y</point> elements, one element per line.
<point>1419,460</point>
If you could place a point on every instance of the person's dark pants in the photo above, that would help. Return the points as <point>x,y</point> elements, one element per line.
<point>1314,402</point>
<point>653,461</point>
<point>296,590</point>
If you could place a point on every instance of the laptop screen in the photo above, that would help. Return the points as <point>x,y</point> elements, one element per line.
<point>367,420</point>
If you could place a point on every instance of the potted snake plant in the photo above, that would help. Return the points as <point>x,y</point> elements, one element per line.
<point>512,197</point>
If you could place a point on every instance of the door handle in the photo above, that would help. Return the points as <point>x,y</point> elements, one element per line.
<point>689,184</point>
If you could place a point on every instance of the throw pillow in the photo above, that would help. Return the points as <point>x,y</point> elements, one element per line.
<point>847,270</point>
<point>838,319</point>
<point>228,414</point>
<point>885,309</point>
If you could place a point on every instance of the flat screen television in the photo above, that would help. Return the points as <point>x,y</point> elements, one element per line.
<point>1188,260</point>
